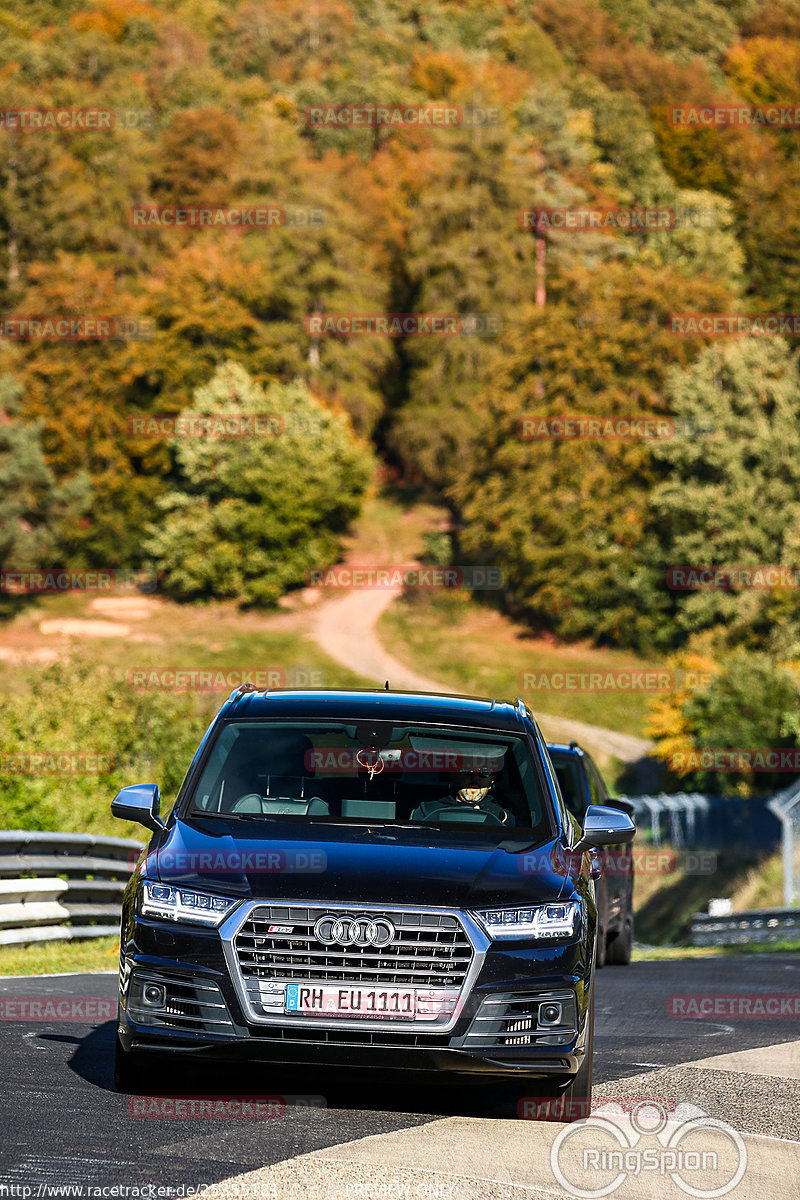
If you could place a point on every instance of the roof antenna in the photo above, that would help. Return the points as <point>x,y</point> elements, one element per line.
<point>386,686</point>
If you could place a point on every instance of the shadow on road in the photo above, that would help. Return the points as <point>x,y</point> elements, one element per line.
<point>377,1090</point>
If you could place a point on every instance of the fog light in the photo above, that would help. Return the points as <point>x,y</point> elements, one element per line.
<point>154,995</point>
<point>550,1014</point>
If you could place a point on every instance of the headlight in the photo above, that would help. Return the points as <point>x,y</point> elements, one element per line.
<point>560,920</point>
<point>183,904</point>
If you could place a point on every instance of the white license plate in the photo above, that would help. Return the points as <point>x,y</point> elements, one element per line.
<point>409,1003</point>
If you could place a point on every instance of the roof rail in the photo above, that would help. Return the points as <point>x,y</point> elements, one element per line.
<point>521,707</point>
<point>243,689</point>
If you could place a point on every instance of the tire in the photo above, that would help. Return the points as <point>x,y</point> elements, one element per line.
<point>620,948</point>
<point>571,1095</point>
<point>130,1071</point>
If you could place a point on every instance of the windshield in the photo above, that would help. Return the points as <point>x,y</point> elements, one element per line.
<point>393,774</point>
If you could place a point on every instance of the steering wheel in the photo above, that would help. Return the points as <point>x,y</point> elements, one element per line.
<point>489,818</point>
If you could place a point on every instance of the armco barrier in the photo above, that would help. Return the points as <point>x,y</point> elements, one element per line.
<point>735,929</point>
<point>38,904</point>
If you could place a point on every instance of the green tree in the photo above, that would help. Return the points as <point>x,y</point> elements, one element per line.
<point>747,703</point>
<point>253,514</point>
<point>565,518</point>
<point>34,509</point>
<point>733,498</point>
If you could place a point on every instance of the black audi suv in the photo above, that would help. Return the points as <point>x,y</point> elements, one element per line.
<point>366,879</point>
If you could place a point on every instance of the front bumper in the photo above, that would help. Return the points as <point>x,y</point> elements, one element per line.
<point>493,1030</point>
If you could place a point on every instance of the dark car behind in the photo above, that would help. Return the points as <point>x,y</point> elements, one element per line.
<point>582,784</point>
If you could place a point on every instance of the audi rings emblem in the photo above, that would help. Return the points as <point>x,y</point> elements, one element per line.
<point>354,931</point>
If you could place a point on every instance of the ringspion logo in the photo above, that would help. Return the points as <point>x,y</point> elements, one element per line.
<point>703,1156</point>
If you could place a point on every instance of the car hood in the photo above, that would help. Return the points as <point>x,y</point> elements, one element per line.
<point>355,864</point>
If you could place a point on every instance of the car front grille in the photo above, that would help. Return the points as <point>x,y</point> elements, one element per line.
<point>430,950</point>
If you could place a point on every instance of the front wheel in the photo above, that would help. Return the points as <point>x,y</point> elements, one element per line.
<point>619,951</point>
<point>570,1097</point>
<point>129,1071</point>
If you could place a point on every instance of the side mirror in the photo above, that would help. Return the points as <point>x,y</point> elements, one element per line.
<point>139,802</point>
<point>603,826</point>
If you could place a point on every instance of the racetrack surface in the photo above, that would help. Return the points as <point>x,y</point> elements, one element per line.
<point>62,1123</point>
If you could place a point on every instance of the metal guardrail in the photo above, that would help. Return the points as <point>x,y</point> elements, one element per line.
<point>759,925</point>
<point>37,904</point>
<point>746,825</point>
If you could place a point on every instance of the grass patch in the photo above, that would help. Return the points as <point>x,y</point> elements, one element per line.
<point>52,958</point>
<point>665,904</point>
<point>668,953</point>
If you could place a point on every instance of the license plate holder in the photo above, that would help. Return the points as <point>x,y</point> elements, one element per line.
<point>308,1000</point>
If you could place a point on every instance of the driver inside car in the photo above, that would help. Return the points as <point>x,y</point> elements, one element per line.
<point>470,790</point>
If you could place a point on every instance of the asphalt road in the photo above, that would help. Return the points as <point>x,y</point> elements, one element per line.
<point>62,1123</point>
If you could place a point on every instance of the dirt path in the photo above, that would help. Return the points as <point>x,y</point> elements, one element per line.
<point>346,629</point>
